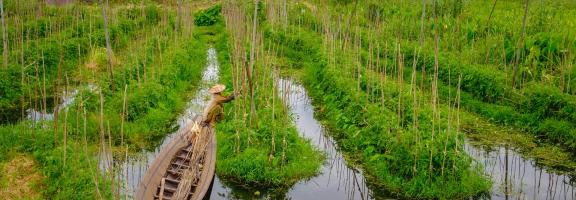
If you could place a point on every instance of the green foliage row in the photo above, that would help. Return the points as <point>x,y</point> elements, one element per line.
<point>252,164</point>
<point>209,16</point>
<point>157,102</point>
<point>66,49</point>
<point>536,103</point>
<point>486,92</point>
<point>368,130</point>
<point>487,89</point>
<point>153,104</point>
<point>555,131</point>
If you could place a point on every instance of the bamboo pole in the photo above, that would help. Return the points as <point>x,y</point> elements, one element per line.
<point>251,64</point>
<point>108,47</point>
<point>519,45</point>
<point>56,96</point>
<point>65,122</point>
<point>400,84</point>
<point>414,88</point>
<point>457,141</point>
<point>126,176</point>
<point>447,136</point>
<point>101,121</point>
<point>4,36</point>
<point>95,176</point>
<point>434,88</point>
<point>43,91</point>
<point>22,86</point>
<point>123,115</point>
<point>162,188</point>
<point>110,162</point>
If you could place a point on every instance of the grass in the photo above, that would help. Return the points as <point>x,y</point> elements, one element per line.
<point>75,180</point>
<point>372,136</point>
<point>541,107</point>
<point>53,53</point>
<point>244,152</point>
<point>20,178</point>
<point>173,66</point>
<point>483,133</point>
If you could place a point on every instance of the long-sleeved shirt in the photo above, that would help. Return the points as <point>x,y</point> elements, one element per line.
<point>215,111</point>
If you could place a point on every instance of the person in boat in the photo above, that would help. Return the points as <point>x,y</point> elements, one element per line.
<point>214,112</point>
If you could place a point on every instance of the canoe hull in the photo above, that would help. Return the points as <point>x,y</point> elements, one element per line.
<point>163,167</point>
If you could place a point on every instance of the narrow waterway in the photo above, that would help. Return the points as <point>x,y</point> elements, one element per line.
<point>513,176</point>
<point>130,171</point>
<point>68,97</point>
<point>337,179</point>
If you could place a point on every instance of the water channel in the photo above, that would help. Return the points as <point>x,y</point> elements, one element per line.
<point>514,177</point>
<point>131,171</point>
<point>336,180</point>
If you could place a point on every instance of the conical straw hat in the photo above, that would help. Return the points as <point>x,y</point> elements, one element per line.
<point>217,88</point>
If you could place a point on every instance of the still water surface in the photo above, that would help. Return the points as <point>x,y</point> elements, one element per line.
<point>514,177</point>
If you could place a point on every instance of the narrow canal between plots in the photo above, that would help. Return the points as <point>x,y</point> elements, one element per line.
<point>337,180</point>
<point>131,171</point>
<point>513,176</point>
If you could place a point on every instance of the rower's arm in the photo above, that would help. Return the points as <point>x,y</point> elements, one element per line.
<point>226,99</point>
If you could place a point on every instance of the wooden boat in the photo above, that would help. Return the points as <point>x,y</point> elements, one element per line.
<point>184,169</point>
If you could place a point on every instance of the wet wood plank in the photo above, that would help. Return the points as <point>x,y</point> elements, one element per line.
<point>169,164</point>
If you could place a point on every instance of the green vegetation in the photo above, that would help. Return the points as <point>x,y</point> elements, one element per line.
<point>75,180</point>
<point>373,136</point>
<point>482,52</point>
<point>400,88</point>
<point>40,59</point>
<point>20,179</point>
<point>158,75</point>
<point>208,17</point>
<point>366,64</point>
<point>259,147</point>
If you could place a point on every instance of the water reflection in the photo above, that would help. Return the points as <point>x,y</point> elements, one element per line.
<point>130,171</point>
<point>337,180</point>
<point>514,177</point>
<point>517,178</point>
<point>35,116</point>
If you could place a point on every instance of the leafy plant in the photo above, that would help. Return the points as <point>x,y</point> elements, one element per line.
<point>208,17</point>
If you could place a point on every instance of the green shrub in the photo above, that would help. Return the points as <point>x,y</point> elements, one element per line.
<point>252,164</point>
<point>208,17</point>
<point>368,131</point>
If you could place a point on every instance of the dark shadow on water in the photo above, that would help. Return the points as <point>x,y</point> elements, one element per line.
<point>227,189</point>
